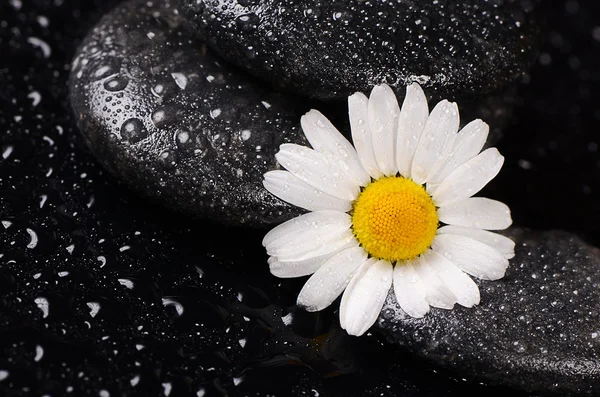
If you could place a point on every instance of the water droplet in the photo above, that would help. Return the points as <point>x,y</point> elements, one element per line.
<point>46,50</point>
<point>182,137</point>
<point>33,239</point>
<point>133,130</point>
<point>215,113</point>
<point>43,305</point>
<point>35,97</point>
<point>115,84</point>
<point>167,387</point>
<point>248,22</point>
<point>135,380</point>
<point>158,90</point>
<point>246,134</point>
<point>108,68</point>
<point>180,79</point>
<point>168,158</point>
<point>126,283</point>
<point>39,353</point>
<point>7,152</point>
<point>171,302</point>
<point>237,381</point>
<point>94,308</point>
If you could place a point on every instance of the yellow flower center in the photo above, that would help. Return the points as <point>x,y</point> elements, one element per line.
<point>395,219</point>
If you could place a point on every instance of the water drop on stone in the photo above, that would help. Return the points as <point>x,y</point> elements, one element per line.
<point>115,84</point>
<point>168,158</point>
<point>133,130</point>
<point>106,69</point>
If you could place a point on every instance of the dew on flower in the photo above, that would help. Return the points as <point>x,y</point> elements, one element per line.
<point>394,211</point>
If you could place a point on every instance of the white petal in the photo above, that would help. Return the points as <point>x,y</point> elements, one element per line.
<point>307,240</point>
<point>468,144</point>
<point>409,290</point>
<point>307,251</point>
<point>291,189</point>
<point>501,243</point>
<point>438,294</point>
<point>431,188</point>
<point>411,123</point>
<point>364,297</point>
<point>359,272</point>
<point>289,269</point>
<point>358,105</point>
<point>469,178</point>
<point>309,235</point>
<point>461,285</point>
<point>471,256</point>
<point>300,223</point>
<point>323,287</point>
<point>478,212</point>
<point>317,170</point>
<point>383,122</point>
<point>436,142</point>
<point>325,138</point>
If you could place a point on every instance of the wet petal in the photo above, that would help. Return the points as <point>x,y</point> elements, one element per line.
<point>469,178</point>
<point>317,170</point>
<point>438,294</point>
<point>326,139</point>
<point>436,142</point>
<point>330,280</point>
<point>461,285</point>
<point>300,223</point>
<point>364,297</point>
<point>478,212</point>
<point>383,122</point>
<point>296,192</point>
<point>304,267</point>
<point>409,290</point>
<point>497,241</point>
<point>471,256</point>
<point>468,144</point>
<point>358,105</point>
<point>411,123</point>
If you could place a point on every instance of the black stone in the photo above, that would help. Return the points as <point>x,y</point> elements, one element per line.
<point>537,329</point>
<point>177,124</point>
<point>331,49</point>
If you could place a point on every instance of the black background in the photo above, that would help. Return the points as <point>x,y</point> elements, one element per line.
<point>141,264</point>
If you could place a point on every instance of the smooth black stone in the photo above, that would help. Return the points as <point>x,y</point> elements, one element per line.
<point>177,124</point>
<point>329,50</point>
<point>537,329</point>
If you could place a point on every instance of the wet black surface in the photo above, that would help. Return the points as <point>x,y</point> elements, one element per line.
<point>175,123</point>
<point>119,297</point>
<point>331,49</point>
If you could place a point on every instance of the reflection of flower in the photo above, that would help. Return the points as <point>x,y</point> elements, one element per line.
<point>376,209</point>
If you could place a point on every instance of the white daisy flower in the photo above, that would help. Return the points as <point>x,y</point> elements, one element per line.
<point>395,211</point>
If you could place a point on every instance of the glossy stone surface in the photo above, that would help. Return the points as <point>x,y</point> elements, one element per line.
<point>331,49</point>
<point>175,123</point>
<point>183,128</point>
<point>537,329</point>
